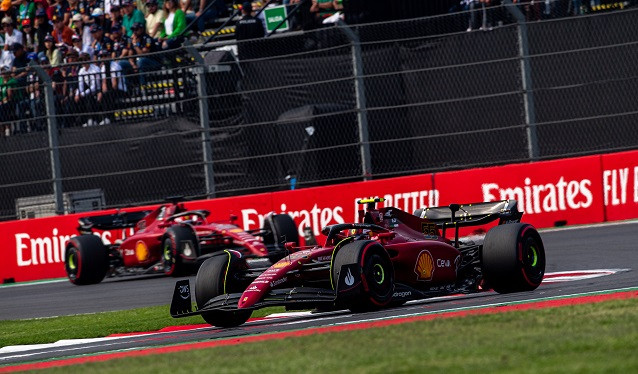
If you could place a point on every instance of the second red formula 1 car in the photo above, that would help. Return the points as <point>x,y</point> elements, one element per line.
<point>170,240</point>
<point>388,258</point>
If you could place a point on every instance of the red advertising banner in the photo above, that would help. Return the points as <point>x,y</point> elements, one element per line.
<point>620,185</point>
<point>321,206</point>
<point>571,191</point>
<point>34,249</point>
<point>549,193</point>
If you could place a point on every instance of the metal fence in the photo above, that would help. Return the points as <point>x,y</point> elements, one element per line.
<point>337,104</point>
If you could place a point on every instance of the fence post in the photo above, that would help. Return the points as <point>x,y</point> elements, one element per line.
<point>526,77</point>
<point>52,125</point>
<point>200,73</point>
<point>360,95</point>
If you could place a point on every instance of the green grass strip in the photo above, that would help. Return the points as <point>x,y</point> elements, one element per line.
<point>49,330</point>
<point>588,338</point>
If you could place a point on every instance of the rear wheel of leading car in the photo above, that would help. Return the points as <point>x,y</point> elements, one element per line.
<point>218,276</point>
<point>283,229</point>
<point>377,275</point>
<point>513,258</point>
<point>86,260</point>
<point>172,249</point>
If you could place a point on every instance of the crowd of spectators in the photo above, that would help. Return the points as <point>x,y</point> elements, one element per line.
<point>75,40</point>
<point>487,14</point>
<point>56,34</point>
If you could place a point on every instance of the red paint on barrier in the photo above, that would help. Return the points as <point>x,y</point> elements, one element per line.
<point>578,190</point>
<point>322,330</point>
<point>619,173</point>
<point>566,191</point>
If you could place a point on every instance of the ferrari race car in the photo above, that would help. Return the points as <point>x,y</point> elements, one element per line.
<point>169,240</point>
<point>388,258</point>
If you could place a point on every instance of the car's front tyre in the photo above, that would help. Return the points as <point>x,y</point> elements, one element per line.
<point>86,260</point>
<point>218,276</point>
<point>373,263</point>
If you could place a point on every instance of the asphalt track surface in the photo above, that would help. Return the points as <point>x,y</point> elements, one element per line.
<point>610,246</point>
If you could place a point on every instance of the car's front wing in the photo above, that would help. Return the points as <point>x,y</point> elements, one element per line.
<point>292,298</point>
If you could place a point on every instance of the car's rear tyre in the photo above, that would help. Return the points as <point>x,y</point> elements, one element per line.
<point>377,274</point>
<point>282,229</point>
<point>86,260</point>
<point>218,276</point>
<point>513,258</point>
<point>172,249</point>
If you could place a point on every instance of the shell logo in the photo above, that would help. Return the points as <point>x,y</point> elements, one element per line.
<point>424,268</point>
<point>141,251</point>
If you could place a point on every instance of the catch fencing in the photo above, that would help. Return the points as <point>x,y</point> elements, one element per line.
<point>337,104</point>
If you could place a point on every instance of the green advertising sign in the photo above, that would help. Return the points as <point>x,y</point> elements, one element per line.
<point>274,16</point>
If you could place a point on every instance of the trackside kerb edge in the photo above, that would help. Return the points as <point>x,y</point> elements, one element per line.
<point>480,310</point>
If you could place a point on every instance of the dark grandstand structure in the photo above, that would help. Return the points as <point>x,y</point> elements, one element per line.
<point>334,104</point>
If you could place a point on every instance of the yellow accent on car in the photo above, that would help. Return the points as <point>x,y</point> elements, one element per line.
<point>374,200</point>
<point>141,251</point>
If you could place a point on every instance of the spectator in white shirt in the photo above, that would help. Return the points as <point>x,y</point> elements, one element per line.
<point>83,30</point>
<point>11,35</point>
<point>113,85</point>
<point>88,94</point>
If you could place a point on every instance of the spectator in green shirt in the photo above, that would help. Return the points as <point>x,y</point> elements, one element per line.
<point>322,9</point>
<point>174,25</point>
<point>7,104</point>
<point>132,15</point>
<point>325,8</point>
<point>25,11</point>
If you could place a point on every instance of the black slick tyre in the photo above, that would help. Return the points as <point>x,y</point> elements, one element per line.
<point>513,258</point>
<point>217,276</point>
<point>172,246</point>
<point>282,229</point>
<point>377,274</point>
<point>86,260</point>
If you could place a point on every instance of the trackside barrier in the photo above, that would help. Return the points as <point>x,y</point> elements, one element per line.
<point>571,191</point>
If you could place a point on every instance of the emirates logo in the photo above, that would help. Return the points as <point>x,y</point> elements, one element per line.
<point>424,268</point>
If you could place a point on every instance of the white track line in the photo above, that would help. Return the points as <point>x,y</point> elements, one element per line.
<point>326,317</point>
<point>588,226</point>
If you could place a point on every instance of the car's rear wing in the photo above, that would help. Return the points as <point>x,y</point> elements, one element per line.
<point>111,221</point>
<point>506,211</point>
<point>456,215</point>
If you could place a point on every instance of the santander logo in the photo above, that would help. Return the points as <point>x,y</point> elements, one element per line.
<point>543,197</point>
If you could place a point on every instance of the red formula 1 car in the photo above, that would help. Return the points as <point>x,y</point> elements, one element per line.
<point>169,240</point>
<point>388,258</point>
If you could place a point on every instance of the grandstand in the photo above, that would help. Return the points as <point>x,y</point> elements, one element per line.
<point>332,104</point>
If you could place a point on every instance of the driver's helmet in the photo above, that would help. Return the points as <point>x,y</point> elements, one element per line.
<point>358,233</point>
<point>192,219</point>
